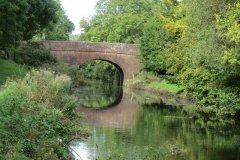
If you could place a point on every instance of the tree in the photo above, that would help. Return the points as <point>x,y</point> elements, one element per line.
<point>41,14</point>
<point>61,29</point>
<point>229,29</point>
<point>118,21</point>
<point>157,37</point>
<point>196,59</point>
<point>12,15</point>
<point>153,44</point>
<point>21,20</point>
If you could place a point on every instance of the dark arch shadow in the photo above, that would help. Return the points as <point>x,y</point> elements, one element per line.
<point>116,65</point>
<point>121,79</point>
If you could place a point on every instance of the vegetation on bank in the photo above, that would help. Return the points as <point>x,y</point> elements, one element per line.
<point>166,86</point>
<point>151,82</point>
<point>37,117</point>
<point>9,69</point>
<point>37,113</point>
<point>22,59</point>
<point>32,54</point>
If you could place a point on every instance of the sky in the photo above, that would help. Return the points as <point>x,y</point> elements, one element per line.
<point>77,9</point>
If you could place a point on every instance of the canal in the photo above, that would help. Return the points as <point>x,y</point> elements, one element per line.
<point>141,127</point>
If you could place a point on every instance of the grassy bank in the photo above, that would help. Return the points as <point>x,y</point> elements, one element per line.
<point>165,85</point>
<point>9,69</point>
<point>149,82</point>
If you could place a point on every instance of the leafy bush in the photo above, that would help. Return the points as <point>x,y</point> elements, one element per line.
<point>36,113</point>
<point>32,55</point>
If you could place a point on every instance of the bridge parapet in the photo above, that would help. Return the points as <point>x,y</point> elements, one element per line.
<point>118,48</point>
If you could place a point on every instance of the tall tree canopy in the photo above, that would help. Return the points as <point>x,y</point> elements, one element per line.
<point>205,56</point>
<point>22,19</point>
<point>118,20</point>
<point>156,38</point>
<point>60,30</point>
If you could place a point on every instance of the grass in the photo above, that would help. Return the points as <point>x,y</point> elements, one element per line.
<point>9,69</point>
<point>164,85</point>
<point>148,81</point>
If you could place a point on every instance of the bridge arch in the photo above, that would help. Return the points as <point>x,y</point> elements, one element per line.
<point>119,68</point>
<point>123,56</point>
<point>120,89</point>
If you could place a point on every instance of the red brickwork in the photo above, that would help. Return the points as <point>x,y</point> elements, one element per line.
<point>124,56</point>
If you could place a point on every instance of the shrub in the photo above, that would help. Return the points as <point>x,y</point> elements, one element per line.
<point>35,113</point>
<point>32,54</point>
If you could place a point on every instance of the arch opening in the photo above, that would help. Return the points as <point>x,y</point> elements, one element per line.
<point>101,85</point>
<point>119,69</point>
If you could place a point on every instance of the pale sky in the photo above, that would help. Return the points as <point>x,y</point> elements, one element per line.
<point>77,9</point>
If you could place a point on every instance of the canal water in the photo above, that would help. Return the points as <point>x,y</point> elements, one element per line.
<point>145,126</point>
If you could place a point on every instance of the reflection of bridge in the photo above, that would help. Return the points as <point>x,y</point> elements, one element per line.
<point>122,115</point>
<point>123,56</point>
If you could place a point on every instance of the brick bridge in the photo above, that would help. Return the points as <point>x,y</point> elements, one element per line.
<point>123,56</point>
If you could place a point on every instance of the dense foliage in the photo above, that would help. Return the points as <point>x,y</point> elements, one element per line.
<point>153,44</point>
<point>204,56</point>
<point>32,54</point>
<point>21,20</point>
<point>25,19</point>
<point>36,114</point>
<point>117,21</point>
<point>60,30</point>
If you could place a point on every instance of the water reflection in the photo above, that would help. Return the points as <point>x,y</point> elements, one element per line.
<point>120,116</point>
<point>99,94</point>
<point>133,130</point>
<point>81,151</point>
